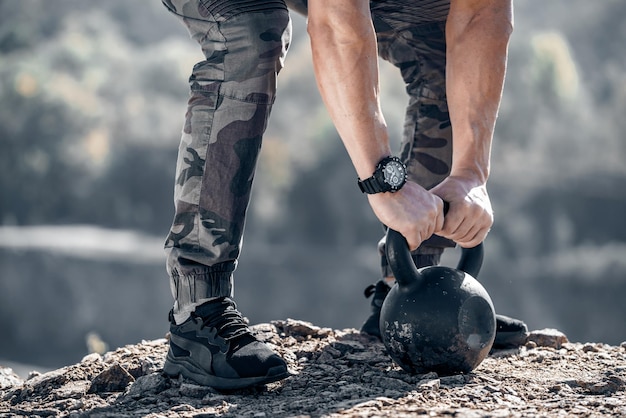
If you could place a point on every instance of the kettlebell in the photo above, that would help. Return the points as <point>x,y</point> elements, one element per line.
<point>436,319</point>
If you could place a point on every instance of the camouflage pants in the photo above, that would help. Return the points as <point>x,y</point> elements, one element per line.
<point>232,92</point>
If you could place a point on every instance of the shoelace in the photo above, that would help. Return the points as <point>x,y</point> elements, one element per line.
<point>369,290</point>
<point>377,288</point>
<point>227,320</point>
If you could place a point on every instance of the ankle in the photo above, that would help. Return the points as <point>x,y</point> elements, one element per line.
<point>389,281</point>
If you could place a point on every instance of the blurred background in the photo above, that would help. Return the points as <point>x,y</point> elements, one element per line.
<point>92,101</point>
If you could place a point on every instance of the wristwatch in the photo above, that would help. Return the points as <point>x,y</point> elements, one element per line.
<point>389,176</point>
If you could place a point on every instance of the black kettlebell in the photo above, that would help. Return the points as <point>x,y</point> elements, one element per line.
<point>436,319</point>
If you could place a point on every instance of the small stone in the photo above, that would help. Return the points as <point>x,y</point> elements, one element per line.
<point>299,328</point>
<point>92,358</point>
<point>429,376</point>
<point>326,357</point>
<point>492,389</point>
<point>195,391</point>
<point>264,332</point>
<point>151,383</point>
<point>455,380</point>
<point>149,365</point>
<point>530,345</point>
<point>8,378</point>
<point>590,348</point>
<point>72,390</point>
<point>183,408</point>
<point>154,343</point>
<point>430,384</point>
<point>113,379</point>
<point>365,357</point>
<point>33,374</point>
<point>348,346</point>
<point>603,388</point>
<point>55,378</point>
<point>395,384</point>
<point>548,337</point>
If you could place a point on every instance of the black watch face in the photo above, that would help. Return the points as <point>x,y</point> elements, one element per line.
<point>395,174</point>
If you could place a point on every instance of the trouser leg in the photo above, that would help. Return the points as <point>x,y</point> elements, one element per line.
<point>418,50</point>
<point>232,91</point>
<point>300,6</point>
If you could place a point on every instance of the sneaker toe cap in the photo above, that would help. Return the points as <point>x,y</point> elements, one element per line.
<point>257,359</point>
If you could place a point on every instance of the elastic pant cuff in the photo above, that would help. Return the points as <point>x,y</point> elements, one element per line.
<point>192,290</point>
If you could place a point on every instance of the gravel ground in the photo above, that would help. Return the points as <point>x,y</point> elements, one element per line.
<point>337,373</point>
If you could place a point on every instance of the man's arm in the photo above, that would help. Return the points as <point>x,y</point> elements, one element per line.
<point>477,36</point>
<point>345,60</point>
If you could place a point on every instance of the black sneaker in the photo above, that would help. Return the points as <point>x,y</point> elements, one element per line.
<point>379,291</point>
<point>215,347</point>
<point>510,332</point>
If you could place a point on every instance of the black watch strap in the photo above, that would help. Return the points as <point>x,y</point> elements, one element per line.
<point>371,186</point>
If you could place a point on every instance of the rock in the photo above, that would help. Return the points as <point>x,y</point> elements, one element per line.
<point>150,384</point>
<point>607,385</point>
<point>297,328</point>
<point>92,358</point>
<point>346,346</point>
<point>366,357</point>
<point>113,379</point>
<point>54,378</point>
<point>429,384</point>
<point>547,337</point>
<point>590,348</point>
<point>8,378</point>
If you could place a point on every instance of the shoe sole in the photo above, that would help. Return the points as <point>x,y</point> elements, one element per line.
<point>510,339</point>
<point>179,367</point>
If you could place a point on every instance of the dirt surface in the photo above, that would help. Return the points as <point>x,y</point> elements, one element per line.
<point>336,374</point>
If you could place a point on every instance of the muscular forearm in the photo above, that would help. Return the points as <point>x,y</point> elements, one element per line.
<point>477,35</point>
<point>345,61</point>
<point>346,68</point>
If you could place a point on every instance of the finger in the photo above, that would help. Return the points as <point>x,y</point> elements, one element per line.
<point>474,237</point>
<point>451,222</point>
<point>440,220</point>
<point>415,243</point>
<point>469,224</point>
<point>437,222</point>
<point>456,228</point>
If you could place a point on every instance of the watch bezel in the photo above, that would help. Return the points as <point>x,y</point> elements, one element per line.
<point>400,176</point>
<point>381,168</point>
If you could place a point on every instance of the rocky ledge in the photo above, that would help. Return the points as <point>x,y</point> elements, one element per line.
<point>337,373</point>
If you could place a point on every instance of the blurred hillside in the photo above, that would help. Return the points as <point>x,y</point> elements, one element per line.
<point>93,98</point>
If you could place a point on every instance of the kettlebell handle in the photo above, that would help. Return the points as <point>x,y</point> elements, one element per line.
<point>404,269</point>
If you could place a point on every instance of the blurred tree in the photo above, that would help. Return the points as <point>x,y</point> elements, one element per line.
<point>135,192</point>
<point>325,206</point>
<point>37,178</point>
<point>24,23</point>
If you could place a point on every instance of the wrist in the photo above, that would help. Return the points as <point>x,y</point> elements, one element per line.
<point>474,175</point>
